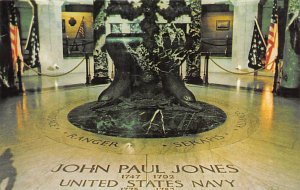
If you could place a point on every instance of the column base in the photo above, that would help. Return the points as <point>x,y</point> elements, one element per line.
<point>100,80</point>
<point>9,92</point>
<point>289,92</point>
<point>193,80</point>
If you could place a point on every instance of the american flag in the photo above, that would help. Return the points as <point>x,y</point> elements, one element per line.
<point>258,49</point>
<point>32,44</point>
<point>81,29</point>
<point>272,48</point>
<point>14,37</point>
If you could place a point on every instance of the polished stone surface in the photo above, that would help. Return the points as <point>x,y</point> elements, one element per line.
<point>159,117</point>
<point>249,82</point>
<point>257,147</point>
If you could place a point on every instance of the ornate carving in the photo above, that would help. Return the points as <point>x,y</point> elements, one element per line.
<point>157,51</point>
<point>99,53</point>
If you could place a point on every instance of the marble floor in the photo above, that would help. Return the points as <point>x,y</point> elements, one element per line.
<point>36,83</point>
<point>257,148</point>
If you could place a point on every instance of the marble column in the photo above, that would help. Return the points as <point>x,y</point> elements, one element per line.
<point>100,55</point>
<point>193,61</point>
<point>50,33</point>
<point>243,22</point>
<point>290,81</point>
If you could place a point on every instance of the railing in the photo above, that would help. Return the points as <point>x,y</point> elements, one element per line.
<point>217,46</point>
<point>72,47</point>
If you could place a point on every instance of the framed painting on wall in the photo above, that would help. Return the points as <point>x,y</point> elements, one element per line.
<point>222,24</point>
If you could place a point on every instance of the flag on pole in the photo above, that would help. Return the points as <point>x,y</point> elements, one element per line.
<point>272,48</point>
<point>14,34</point>
<point>81,29</point>
<point>258,48</point>
<point>32,44</point>
<point>34,47</point>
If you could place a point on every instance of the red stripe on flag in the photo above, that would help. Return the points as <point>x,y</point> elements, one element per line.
<point>271,33</point>
<point>15,46</point>
<point>272,48</point>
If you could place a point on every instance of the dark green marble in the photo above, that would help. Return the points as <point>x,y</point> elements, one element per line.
<point>147,118</point>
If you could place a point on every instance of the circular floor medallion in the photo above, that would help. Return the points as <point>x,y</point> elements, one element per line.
<point>240,124</point>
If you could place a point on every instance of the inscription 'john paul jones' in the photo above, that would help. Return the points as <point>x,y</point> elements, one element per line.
<point>128,169</point>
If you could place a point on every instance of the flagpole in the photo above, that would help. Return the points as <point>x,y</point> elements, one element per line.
<point>77,34</point>
<point>263,40</point>
<point>276,68</point>
<point>276,75</point>
<point>272,48</point>
<point>257,49</point>
<point>276,71</point>
<point>31,23</point>
<point>260,31</point>
<point>32,42</point>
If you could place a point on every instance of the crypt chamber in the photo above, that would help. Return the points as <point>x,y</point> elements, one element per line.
<point>149,94</point>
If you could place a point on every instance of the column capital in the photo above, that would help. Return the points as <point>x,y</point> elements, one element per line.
<point>205,2</point>
<point>50,2</point>
<point>242,2</point>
